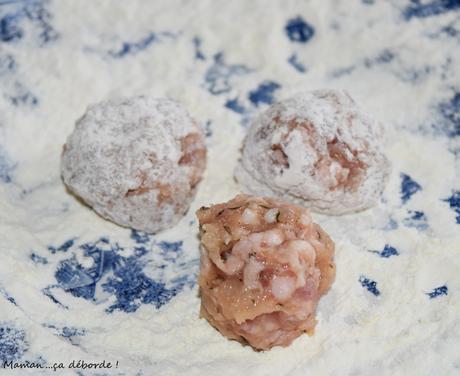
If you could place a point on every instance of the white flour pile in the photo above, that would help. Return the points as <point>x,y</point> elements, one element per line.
<point>74,286</point>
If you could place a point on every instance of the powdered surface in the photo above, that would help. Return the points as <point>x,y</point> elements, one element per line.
<point>75,286</point>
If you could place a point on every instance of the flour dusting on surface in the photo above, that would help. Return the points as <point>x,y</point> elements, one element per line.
<point>74,286</point>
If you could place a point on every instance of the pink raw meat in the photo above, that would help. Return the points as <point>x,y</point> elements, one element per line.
<point>264,266</point>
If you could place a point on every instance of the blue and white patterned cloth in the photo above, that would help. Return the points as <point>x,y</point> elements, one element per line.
<point>74,287</point>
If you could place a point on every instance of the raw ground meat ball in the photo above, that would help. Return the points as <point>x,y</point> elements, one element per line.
<point>317,149</point>
<point>136,161</point>
<point>264,266</point>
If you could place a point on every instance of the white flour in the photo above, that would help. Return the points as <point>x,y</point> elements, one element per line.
<point>107,49</point>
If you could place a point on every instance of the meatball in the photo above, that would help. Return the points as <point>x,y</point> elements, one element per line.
<point>136,161</point>
<point>317,149</point>
<point>264,266</point>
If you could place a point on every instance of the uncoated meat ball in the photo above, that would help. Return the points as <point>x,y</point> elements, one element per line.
<point>264,266</point>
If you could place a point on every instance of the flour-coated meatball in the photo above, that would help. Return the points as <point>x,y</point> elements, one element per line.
<point>135,161</point>
<point>318,149</point>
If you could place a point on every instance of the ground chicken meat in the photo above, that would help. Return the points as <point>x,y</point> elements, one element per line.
<point>264,266</point>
